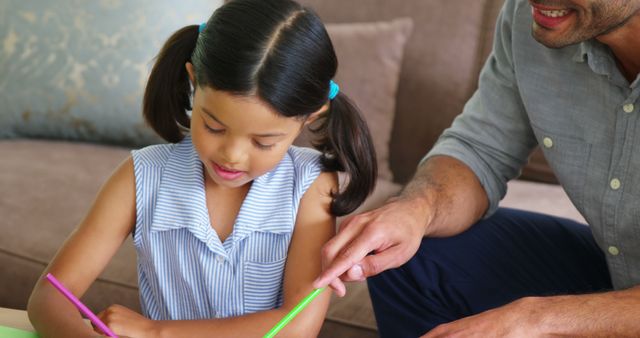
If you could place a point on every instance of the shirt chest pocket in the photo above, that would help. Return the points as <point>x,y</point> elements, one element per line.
<point>264,272</point>
<point>568,158</point>
<point>263,285</point>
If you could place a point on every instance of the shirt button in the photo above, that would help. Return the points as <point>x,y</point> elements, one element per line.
<point>628,108</point>
<point>613,250</point>
<point>548,142</point>
<point>220,259</point>
<point>615,184</point>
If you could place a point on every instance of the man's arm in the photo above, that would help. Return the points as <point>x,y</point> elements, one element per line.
<point>443,199</point>
<point>450,193</point>
<point>608,314</point>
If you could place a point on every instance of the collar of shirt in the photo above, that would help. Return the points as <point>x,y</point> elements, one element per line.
<point>181,202</point>
<point>601,61</point>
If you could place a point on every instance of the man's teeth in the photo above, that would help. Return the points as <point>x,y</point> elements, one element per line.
<point>555,13</point>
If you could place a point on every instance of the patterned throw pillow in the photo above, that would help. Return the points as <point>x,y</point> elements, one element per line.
<point>76,69</point>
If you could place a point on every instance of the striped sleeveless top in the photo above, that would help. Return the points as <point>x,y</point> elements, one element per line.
<point>184,271</point>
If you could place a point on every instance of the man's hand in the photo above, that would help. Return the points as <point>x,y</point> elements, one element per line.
<point>443,199</point>
<point>516,319</point>
<point>604,314</point>
<point>125,322</point>
<point>372,242</point>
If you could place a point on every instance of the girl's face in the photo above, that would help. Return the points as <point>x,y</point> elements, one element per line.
<point>238,138</point>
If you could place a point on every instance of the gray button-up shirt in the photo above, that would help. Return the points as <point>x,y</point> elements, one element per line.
<point>585,115</point>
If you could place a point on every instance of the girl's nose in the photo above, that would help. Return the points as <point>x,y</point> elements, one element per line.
<point>233,152</point>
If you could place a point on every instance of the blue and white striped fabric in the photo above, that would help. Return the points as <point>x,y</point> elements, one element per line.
<point>184,271</point>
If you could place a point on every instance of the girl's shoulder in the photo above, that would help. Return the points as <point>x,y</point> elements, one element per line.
<point>303,157</point>
<point>306,166</point>
<point>154,155</point>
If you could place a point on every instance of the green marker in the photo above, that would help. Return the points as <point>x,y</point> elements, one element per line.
<point>286,319</point>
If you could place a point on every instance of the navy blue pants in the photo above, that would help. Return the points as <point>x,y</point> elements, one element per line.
<point>510,255</point>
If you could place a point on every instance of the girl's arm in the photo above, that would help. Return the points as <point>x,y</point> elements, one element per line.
<point>84,255</point>
<point>314,226</point>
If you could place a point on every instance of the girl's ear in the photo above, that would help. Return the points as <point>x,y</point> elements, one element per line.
<point>314,116</point>
<point>191,72</point>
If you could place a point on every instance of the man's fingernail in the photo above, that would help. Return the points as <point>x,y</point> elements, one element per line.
<point>356,271</point>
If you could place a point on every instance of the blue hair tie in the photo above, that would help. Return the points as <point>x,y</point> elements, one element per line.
<point>334,89</point>
<point>202,26</point>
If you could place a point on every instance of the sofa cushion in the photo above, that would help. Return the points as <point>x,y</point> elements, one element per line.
<point>369,57</point>
<point>545,198</point>
<point>47,188</point>
<point>355,308</point>
<point>77,70</point>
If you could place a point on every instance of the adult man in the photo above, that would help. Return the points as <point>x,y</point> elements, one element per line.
<point>562,74</point>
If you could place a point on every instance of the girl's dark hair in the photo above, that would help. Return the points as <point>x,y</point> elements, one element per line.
<point>279,51</point>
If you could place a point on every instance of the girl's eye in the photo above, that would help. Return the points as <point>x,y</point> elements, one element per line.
<point>212,130</point>
<point>263,146</point>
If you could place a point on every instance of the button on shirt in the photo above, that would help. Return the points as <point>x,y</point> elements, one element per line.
<point>184,270</point>
<point>576,104</point>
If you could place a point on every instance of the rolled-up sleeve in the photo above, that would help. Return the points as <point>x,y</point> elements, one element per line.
<point>493,135</point>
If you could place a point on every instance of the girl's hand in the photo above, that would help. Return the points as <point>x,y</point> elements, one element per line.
<point>126,322</point>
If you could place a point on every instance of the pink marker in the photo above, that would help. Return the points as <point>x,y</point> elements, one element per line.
<point>83,309</point>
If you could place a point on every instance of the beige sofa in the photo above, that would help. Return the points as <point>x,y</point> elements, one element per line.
<point>46,186</point>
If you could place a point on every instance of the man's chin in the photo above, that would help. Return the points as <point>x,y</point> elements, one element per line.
<point>549,41</point>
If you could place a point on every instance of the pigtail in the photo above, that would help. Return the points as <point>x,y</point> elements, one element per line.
<point>346,144</point>
<point>168,91</point>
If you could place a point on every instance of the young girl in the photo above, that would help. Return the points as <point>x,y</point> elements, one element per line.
<point>229,218</point>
